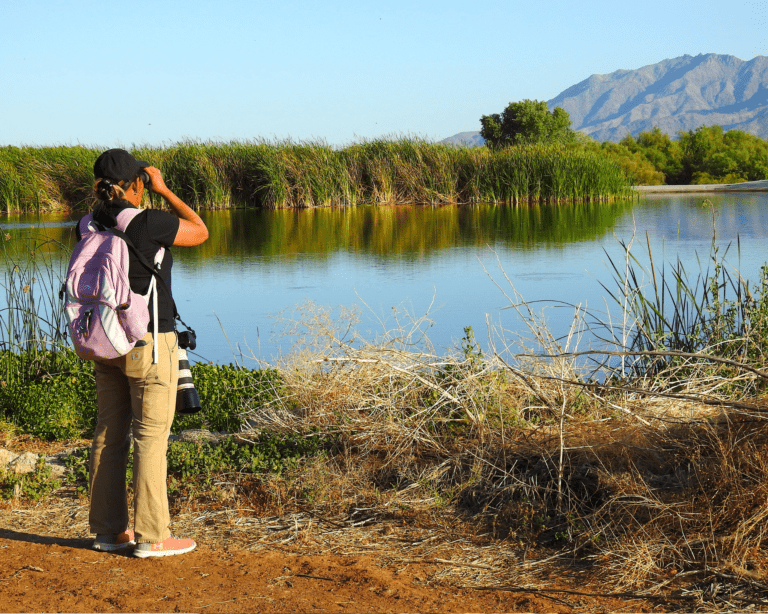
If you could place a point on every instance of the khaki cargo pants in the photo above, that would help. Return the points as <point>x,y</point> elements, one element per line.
<point>135,396</point>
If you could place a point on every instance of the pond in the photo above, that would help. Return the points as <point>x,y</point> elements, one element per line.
<point>451,265</point>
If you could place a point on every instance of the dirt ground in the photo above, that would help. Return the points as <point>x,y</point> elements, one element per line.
<point>51,574</point>
<point>247,561</point>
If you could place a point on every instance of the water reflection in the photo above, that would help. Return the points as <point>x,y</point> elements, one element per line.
<point>378,230</point>
<point>257,263</point>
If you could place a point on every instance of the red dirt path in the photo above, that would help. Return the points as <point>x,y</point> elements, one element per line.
<point>49,574</point>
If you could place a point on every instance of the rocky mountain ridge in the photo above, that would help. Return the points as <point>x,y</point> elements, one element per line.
<point>675,94</point>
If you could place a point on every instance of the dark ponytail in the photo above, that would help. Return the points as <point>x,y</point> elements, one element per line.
<point>105,190</point>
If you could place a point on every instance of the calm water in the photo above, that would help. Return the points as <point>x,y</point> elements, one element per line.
<point>441,261</point>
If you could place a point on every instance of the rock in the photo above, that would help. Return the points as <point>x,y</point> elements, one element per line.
<point>6,456</point>
<point>24,463</point>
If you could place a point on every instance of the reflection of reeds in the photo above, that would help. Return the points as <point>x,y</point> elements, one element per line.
<point>288,174</point>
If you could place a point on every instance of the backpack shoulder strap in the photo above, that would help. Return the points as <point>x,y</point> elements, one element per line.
<point>84,226</point>
<point>141,258</point>
<point>126,216</point>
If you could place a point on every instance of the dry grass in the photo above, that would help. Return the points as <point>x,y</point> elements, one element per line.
<point>654,485</point>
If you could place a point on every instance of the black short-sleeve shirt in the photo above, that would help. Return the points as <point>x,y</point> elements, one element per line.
<point>148,232</point>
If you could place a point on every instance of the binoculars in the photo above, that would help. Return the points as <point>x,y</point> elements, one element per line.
<point>187,399</point>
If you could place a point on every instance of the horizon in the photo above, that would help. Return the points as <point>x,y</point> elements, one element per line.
<point>175,73</point>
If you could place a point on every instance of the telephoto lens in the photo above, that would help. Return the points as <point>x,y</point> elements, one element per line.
<point>187,399</point>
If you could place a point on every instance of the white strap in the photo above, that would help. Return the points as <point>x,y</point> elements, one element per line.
<point>156,350</point>
<point>151,298</point>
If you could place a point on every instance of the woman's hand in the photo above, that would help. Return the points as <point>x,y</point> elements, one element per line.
<point>192,231</point>
<point>156,183</point>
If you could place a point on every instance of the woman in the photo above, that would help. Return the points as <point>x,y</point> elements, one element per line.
<point>136,393</point>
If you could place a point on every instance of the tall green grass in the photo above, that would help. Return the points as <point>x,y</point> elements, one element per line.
<point>314,174</point>
<point>674,315</point>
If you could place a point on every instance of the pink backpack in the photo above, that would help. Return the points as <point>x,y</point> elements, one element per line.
<point>105,318</point>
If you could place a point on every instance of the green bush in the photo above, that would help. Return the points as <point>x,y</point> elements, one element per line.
<point>32,486</point>
<point>268,453</point>
<point>226,392</point>
<point>51,404</point>
<point>53,395</point>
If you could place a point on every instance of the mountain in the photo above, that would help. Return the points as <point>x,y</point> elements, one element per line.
<point>466,139</point>
<point>676,94</point>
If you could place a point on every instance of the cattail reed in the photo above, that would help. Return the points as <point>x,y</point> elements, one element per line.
<point>314,174</point>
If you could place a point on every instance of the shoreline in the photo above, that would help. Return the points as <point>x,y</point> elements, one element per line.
<point>747,186</point>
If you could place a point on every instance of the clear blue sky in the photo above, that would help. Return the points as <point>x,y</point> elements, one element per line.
<point>123,73</point>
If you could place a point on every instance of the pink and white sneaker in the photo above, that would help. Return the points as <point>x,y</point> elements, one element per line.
<point>169,547</point>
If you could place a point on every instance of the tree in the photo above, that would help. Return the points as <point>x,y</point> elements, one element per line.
<point>711,155</point>
<point>664,153</point>
<point>635,165</point>
<point>529,121</point>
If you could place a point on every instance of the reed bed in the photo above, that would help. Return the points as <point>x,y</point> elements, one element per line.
<point>32,318</point>
<point>314,174</point>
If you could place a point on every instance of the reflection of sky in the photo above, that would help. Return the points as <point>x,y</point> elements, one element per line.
<point>240,292</point>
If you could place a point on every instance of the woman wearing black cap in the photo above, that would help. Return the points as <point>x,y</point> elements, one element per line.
<point>137,392</point>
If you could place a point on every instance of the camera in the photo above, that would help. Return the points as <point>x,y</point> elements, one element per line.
<point>187,340</point>
<point>187,399</point>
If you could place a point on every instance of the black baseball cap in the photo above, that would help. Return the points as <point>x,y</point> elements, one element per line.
<point>118,165</point>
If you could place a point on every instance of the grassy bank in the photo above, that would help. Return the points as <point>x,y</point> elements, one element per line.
<point>278,175</point>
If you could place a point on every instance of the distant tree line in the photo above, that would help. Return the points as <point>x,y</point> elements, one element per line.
<point>707,154</point>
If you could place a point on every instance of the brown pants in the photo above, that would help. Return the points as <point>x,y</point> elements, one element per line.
<point>134,394</point>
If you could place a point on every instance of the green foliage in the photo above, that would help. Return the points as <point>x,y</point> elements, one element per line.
<point>526,122</point>
<point>269,452</point>
<point>31,486</point>
<point>710,153</point>
<point>636,166</point>
<point>226,392</point>
<point>78,466</point>
<point>707,154</point>
<point>288,174</point>
<point>664,154</point>
<point>54,400</point>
